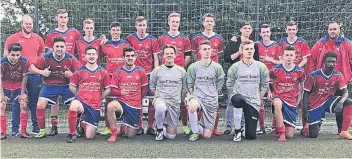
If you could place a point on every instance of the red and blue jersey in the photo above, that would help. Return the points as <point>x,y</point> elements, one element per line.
<point>144,48</point>
<point>301,46</point>
<point>286,82</point>
<point>90,84</point>
<point>70,36</point>
<point>82,44</point>
<point>113,50</point>
<point>180,42</point>
<point>216,44</point>
<point>131,81</point>
<point>273,50</point>
<point>57,68</point>
<point>322,87</point>
<point>12,74</point>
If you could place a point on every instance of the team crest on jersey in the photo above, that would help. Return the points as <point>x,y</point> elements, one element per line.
<point>215,45</point>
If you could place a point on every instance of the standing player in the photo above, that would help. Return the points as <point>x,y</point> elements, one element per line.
<point>269,53</point>
<point>343,48</point>
<point>287,81</point>
<point>56,67</point>
<point>33,47</point>
<point>88,40</point>
<point>87,83</point>
<point>217,48</point>
<point>233,54</point>
<point>205,79</point>
<point>168,83</point>
<point>70,36</point>
<point>147,51</point>
<point>301,46</point>
<point>247,82</point>
<point>183,54</point>
<point>319,97</point>
<point>113,51</point>
<point>129,84</point>
<point>14,68</point>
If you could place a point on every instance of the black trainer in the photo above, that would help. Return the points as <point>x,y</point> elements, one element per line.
<point>71,138</point>
<point>53,131</point>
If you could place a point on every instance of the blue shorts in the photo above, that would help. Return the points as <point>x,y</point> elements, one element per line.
<point>92,116</point>
<point>318,114</point>
<point>149,91</point>
<point>289,113</point>
<point>131,115</point>
<point>50,93</point>
<point>12,95</point>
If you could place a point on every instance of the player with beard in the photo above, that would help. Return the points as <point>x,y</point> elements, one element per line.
<point>87,83</point>
<point>56,66</point>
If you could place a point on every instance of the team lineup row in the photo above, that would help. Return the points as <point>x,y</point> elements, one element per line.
<point>147,48</point>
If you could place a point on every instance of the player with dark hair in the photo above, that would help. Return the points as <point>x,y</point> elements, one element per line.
<point>87,83</point>
<point>217,48</point>
<point>14,68</point>
<point>182,45</point>
<point>335,42</point>
<point>168,83</point>
<point>247,82</point>
<point>129,85</point>
<point>318,98</point>
<point>287,81</point>
<point>147,52</point>
<point>56,66</point>
<point>205,79</point>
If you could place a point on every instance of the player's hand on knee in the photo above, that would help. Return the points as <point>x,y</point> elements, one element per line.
<point>270,95</point>
<point>338,108</point>
<point>23,98</point>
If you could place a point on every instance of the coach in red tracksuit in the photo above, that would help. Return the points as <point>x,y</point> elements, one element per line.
<point>342,47</point>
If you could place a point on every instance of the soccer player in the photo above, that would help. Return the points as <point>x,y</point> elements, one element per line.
<point>168,83</point>
<point>343,48</point>
<point>233,54</point>
<point>113,51</point>
<point>319,97</point>
<point>33,47</point>
<point>205,79</point>
<point>88,40</point>
<point>87,83</point>
<point>14,68</point>
<point>147,50</point>
<point>129,84</point>
<point>56,67</point>
<point>70,36</point>
<point>287,81</point>
<point>269,53</point>
<point>247,82</point>
<point>217,48</point>
<point>301,46</point>
<point>183,54</point>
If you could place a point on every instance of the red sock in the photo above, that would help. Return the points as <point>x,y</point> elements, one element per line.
<point>113,131</point>
<point>24,119</point>
<point>54,121</point>
<point>141,119</point>
<point>72,121</point>
<point>3,124</point>
<point>261,117</point>
<point>282,133</point>
<point>184,115</point>
<point>347,117</point>
<point>217,117</point>
<point>151,115</point>
<point>41,118</point>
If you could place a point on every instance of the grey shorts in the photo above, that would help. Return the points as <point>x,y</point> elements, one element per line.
<point>208,112</point>
<point>172,112</point>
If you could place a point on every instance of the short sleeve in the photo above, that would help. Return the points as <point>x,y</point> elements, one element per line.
<point>308,85</point>
<point>153,78</point>
<point>41,46</point>
<point>194,45</point>
<point>114,80</point>
<point>221,45</point>
<point>40,63</point>
<point>144,79</point>
<point>26,67</point>
<point>342,83</point>
<point>156,47</point>
<point>107,80</point>
<point>305,50</point>
<point>74,79</point>
<point>187,46</point>
<point>75,63</point>
<point>49,42</point>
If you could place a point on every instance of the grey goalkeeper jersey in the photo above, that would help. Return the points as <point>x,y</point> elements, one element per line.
<point>248,80</point>
<point>206,81</point>
<point>168,83</point>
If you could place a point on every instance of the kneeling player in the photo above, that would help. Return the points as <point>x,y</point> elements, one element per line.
<point>288,81</point>
<point>13,86</point>
<point>87,83</point>
<point>247,82</point>
<point>319,97</point>
<point>205,79</point>
<point>169,85</point>
<point>129,84</point>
